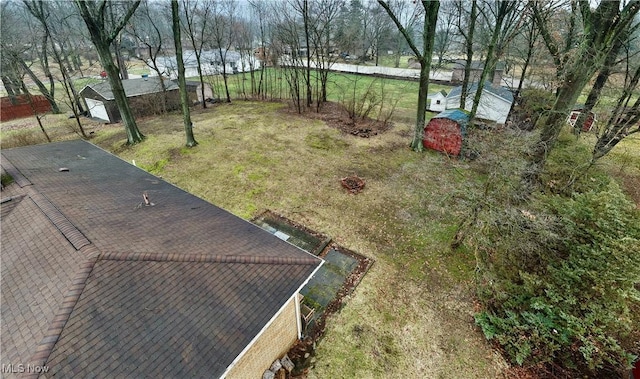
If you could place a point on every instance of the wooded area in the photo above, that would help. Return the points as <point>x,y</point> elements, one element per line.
<point>557,258</point>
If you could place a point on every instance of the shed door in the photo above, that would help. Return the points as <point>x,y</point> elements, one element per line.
<point>97,109</point>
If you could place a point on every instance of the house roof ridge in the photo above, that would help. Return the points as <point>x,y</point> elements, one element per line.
<point>75,237</point>
<point>12,170</point>
<point>207,258</point>
<point>45,347</point>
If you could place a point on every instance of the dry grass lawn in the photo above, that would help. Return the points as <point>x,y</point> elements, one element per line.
<point>412,314</point>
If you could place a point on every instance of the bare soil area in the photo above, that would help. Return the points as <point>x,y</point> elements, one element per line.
<point>337,116</point>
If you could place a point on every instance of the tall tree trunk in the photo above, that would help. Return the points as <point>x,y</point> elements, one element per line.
<point>113,75</point>
<point>602,26</point>
<point>469,60</point>
<point>622,120</point>
<point>531,43</point>
<point>8,85</point>
<point>76,99</point>
<point>102,39</point>
<point>47,71</point>
<point>122,67</point>
<point>182,83</point>
<point>428,34</point>
<point>568,93</point>
<point>201,77</point>
<point>305,13</point>
<point>70,89</point>
<point>601,80</point>
<point>41,87</point>
<point>223,59</point>
<point>504,8</point>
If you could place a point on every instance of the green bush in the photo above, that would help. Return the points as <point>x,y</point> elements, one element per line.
<point>559,281</point>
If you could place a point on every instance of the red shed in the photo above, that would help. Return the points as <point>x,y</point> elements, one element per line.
<point>445,131</point>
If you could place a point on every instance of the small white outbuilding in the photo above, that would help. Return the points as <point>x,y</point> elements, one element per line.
<point>495,102</point>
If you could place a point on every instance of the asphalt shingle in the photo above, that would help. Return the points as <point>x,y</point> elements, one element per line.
<point>134,87</point>
<point>96,284</point>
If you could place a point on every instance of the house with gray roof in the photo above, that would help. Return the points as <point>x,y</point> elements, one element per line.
<point>211,63</point>
<point>495,102</point>
<point>109,271</point>
<point>475,72</point>
<point>146,97</point>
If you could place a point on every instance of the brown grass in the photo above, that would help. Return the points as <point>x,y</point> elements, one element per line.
<point>411,316</point>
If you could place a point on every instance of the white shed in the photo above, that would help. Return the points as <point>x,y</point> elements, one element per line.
<point>495,102</point>
<point>436,102</point>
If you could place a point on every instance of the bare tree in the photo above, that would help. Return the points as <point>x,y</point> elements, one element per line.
<point>424,57</point>
<point>500,17</point>
<point>182,83</point>
<point>197,16</point>
<point>224,14</point>
<point>325,14</point>
<point>286,36</point>
<point>625,115</point>
<point>258,10</point>
<point>605,72</point>
<point>529,40</point>
<point>41,12</point>
<point>601,27</point>
<point>102,35</point>
<point>466,25</point>
<point>445,33</point>
<point>149,31</point>
<point>244,41</point>
<point>19,39</point>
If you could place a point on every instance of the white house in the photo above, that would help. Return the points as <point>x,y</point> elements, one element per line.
<point>211,62</point>
<point>495,102</point>
<point>436,102</point>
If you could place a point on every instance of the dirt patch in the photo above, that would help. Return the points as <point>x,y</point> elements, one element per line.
<point>336,116</point>
<point>353,184</point>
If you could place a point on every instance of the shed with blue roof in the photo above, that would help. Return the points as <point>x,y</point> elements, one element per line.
<point>445,132</point>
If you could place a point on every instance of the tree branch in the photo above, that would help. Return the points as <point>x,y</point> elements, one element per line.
<point>123,22</point>
<point>401,28</point>
<point>546,35</point>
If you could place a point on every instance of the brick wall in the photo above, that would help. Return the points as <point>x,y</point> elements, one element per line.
<point>22,107</point>
<point>272,344</point>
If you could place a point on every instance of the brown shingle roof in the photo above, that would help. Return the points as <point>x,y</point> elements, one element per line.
<point>101,193</point>
<point>96,284</point>
<point>165,318</point>
<point>37,266</point>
